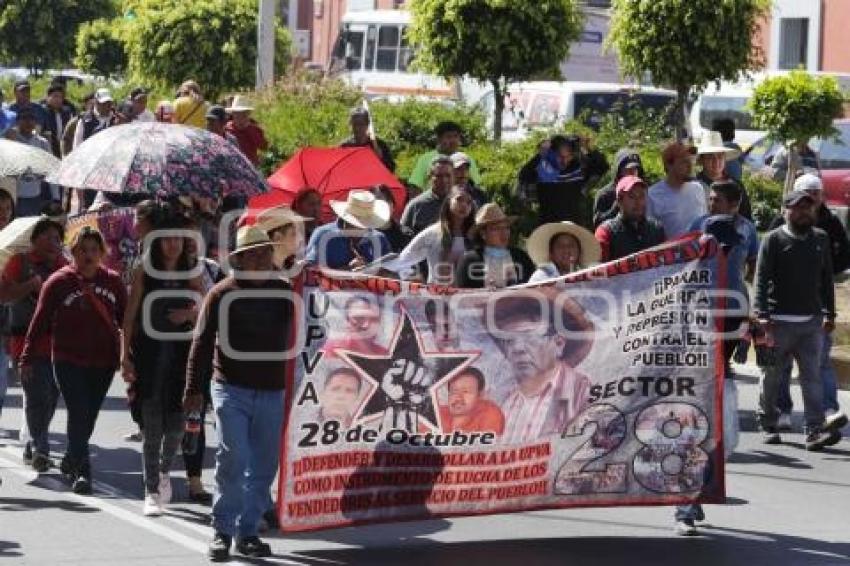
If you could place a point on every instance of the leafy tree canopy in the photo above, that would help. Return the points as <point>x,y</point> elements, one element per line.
<point>686,44</point>
<point>493,41</point>
<point>100,48</point>
<point>40,34</point>
<point>211,41</point>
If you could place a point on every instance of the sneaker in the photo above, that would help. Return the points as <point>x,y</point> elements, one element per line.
<point>165,488</point>
<point>219,549</point>
<point>27,454</point>
<point>771,436</point>
<point>816,440</point>
<point>784,422</point>
<point>686,528</point>
<point>134,436</point>
<point>82,485</point>
<point>152,506</point>
<point>270,518</point>
<point>253,547</point>
<point>835,421</point>
<point>833,437</point>
<point>40,462</point>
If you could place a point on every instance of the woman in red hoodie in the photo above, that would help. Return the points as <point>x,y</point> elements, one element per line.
<point>82,307</point>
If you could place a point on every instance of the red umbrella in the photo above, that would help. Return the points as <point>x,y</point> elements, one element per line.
<point>333,172</point>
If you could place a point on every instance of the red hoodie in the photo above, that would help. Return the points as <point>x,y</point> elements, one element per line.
<point>81,336</point>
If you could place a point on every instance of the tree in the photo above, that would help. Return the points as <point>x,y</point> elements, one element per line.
<point>211,41</point>
<point>686,44</point>
<point>794,108</point>
<point>40,34</point>
<point>100,48</point>
<point>493,41</point>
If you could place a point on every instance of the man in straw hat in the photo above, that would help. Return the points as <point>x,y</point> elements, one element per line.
<point>249,135</point>
<point>493,263</point>
<point>714,156</point>
<point>543,340</point>
<point>247,389</point>
<point>630,231</point>
<point>353,240</point>
<point>559,248</point>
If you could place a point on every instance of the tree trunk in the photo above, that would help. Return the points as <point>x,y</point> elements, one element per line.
<point>791,172</point>
<point>498,109</point>
<point>681,122</point>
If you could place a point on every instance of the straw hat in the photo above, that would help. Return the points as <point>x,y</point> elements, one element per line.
<point>362,209</point>
<point>239,104</point>
<point>490,213</point>
<point>278,217</point>
<point>537,244</point>
<point>250,237</point>
<point>712,142</point>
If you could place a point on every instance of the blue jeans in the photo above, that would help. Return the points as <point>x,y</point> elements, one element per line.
<point>802,341</point>
<point>84,390</point>
<point>248,422</point>
<point>827,376</point>
<point>41,394</point>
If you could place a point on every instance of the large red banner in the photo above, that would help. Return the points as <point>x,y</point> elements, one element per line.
<point>602,388</point>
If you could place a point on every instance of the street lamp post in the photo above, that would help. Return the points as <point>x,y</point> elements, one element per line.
<point>265,43</point>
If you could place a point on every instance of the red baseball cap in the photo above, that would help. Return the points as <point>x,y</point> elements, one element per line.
<point>628,183</point>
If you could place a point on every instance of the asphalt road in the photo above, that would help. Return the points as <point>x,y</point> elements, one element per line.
<point>785,507</point>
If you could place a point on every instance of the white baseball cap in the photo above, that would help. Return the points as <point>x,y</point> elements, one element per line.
<point>808,183</point>
<point>103,95</point>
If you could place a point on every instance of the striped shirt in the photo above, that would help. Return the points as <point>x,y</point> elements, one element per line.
<point>562,399</point>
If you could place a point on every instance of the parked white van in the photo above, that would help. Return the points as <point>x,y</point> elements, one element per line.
<point>547,104</point>
<point>730,101</point>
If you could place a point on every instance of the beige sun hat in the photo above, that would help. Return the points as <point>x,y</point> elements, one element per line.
<point>489,214</point>
<point>537,244</point>
<point>250,237</point>
<point>239,104</point>
<point>363,210</point>
<point>278,217</point>
<point>712,142</point>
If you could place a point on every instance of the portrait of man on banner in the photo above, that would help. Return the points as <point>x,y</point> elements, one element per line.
<point>542,340</point>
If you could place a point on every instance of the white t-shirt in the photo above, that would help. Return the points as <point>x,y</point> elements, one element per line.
<point>676,209</point>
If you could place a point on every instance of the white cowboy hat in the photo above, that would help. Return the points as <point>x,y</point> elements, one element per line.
<point>363,210</point>
<point>250,237</point>
<point>712,142</point>
<point>278,217</point>
<point>239,104</point>
<point>537,243</point>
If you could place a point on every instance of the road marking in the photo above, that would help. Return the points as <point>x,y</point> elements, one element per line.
<point>190,543</point>
<point>10,455</point>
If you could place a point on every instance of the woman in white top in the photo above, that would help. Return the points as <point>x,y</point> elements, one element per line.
<point>559,248</point>
<point>443,244</point>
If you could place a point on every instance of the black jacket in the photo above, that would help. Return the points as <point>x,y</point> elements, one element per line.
<point>471,268</point>
<point>605,206</point>
<point>839,245</point>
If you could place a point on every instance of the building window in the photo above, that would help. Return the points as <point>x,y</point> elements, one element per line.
<point>793,43</point>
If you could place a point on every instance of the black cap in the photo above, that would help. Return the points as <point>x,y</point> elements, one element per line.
<point>20,85</point>
<point>446,127</point>
<point>137,92</point>
<point>217,112</point>
<point>796,197</point>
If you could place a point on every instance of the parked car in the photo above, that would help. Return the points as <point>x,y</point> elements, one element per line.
<point>833,159</point>
<point>546,105</point>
